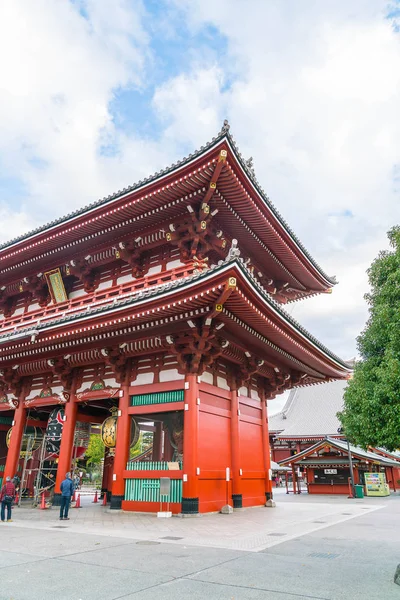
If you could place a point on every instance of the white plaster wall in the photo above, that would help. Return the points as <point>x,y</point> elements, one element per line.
<point>222,383</point>
<point>33,307</point>
<point>243,392</point>
<point>207,378</point>
<point>173,264</point>
<point>124,279</point>
<point>170,375</point>
<point>154,270</point>
<point>143,379</point>
<point>77,294</point>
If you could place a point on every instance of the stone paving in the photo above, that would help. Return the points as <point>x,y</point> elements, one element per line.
<point>250,530</point>
<point>309,547</point>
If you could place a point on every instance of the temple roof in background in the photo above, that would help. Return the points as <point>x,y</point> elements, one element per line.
<point>310,412</point>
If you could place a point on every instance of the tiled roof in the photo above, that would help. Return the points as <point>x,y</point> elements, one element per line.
<point>367,454</point>
<point>246,166</point>
<point>148,293</point>
<point>310,411</point>
<point>342,446</point>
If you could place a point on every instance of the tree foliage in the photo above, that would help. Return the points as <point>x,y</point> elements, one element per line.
<point>95,450</point>
<point>371,414</point>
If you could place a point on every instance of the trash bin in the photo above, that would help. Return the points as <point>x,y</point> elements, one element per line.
<point>359,491</point>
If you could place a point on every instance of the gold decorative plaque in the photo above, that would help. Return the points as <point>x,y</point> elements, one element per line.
<point>56,286</point>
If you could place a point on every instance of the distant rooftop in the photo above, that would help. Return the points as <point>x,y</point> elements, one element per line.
<point>310,411</point>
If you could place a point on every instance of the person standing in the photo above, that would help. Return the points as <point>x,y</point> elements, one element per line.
<point>67,491</point>
<point>7,496</point>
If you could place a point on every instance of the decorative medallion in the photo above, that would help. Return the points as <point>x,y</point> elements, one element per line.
<point>46,392</point>
<point>98,384</point>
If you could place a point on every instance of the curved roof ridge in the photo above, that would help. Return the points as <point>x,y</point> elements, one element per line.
<point>246,166</point>
<point>198,276</point>
<point>119,193</point>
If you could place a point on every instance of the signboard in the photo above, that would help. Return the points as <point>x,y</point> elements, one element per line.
<point>375,484</point>
<point>165,486</point>
<point>56,286</point>
<point>330,471</point>
<point>173,466</point>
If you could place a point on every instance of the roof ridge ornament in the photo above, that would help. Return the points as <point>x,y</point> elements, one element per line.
<point>234,251</point>
<point>225,126</point>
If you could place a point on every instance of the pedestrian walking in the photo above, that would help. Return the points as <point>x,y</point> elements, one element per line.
<point>7,496</point>
<point>67,491</point>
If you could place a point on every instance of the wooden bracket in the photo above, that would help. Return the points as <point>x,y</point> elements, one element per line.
<point>83,270</point>
<point>119,363</point>
<point>37,287</point>
<point>131,253</point>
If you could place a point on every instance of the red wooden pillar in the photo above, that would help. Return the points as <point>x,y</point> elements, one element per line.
<point>66,446</point>
<point>121,449</point>
<point>157,441</point>
<point>294,479</point>
<point>237,497</point>
<point>266,450</point>
<point>14,449</point>
<point>190,493</point>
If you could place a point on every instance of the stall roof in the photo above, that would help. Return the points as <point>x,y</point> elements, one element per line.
<point>276,467</point>
<point>356,452</point>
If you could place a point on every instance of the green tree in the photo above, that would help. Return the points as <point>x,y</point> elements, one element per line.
<point>371,414</point>
<point>95,451</point>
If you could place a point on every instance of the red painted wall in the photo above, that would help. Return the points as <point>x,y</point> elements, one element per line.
<point>251,453</point>
<point>214,453</point>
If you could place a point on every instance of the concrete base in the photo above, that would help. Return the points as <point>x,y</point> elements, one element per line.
<point>270,504</point>
<point>397,575</point>
<point>227,510</point>
<point>164,514</point>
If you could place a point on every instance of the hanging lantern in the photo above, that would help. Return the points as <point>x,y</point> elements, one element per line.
<point>54,431</point>
<point>109,431</point>
<point>32,438</point>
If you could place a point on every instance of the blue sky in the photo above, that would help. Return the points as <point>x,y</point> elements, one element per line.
<point>96,95</point>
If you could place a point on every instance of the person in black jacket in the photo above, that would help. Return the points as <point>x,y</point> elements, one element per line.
<point>67,491</point>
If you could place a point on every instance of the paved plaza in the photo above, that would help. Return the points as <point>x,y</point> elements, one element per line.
<point>324,548</point>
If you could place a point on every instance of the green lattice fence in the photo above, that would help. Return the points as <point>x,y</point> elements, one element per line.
<point>157,398</point>
<point>148,490</point>
<point>149,465</point>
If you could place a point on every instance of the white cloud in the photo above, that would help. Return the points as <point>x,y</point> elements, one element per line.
<point>314,99</point>
<point>56,85</point>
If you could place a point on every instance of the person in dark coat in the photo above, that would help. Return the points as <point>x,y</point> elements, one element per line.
<point>7,496</point>
<point>67,491</point>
